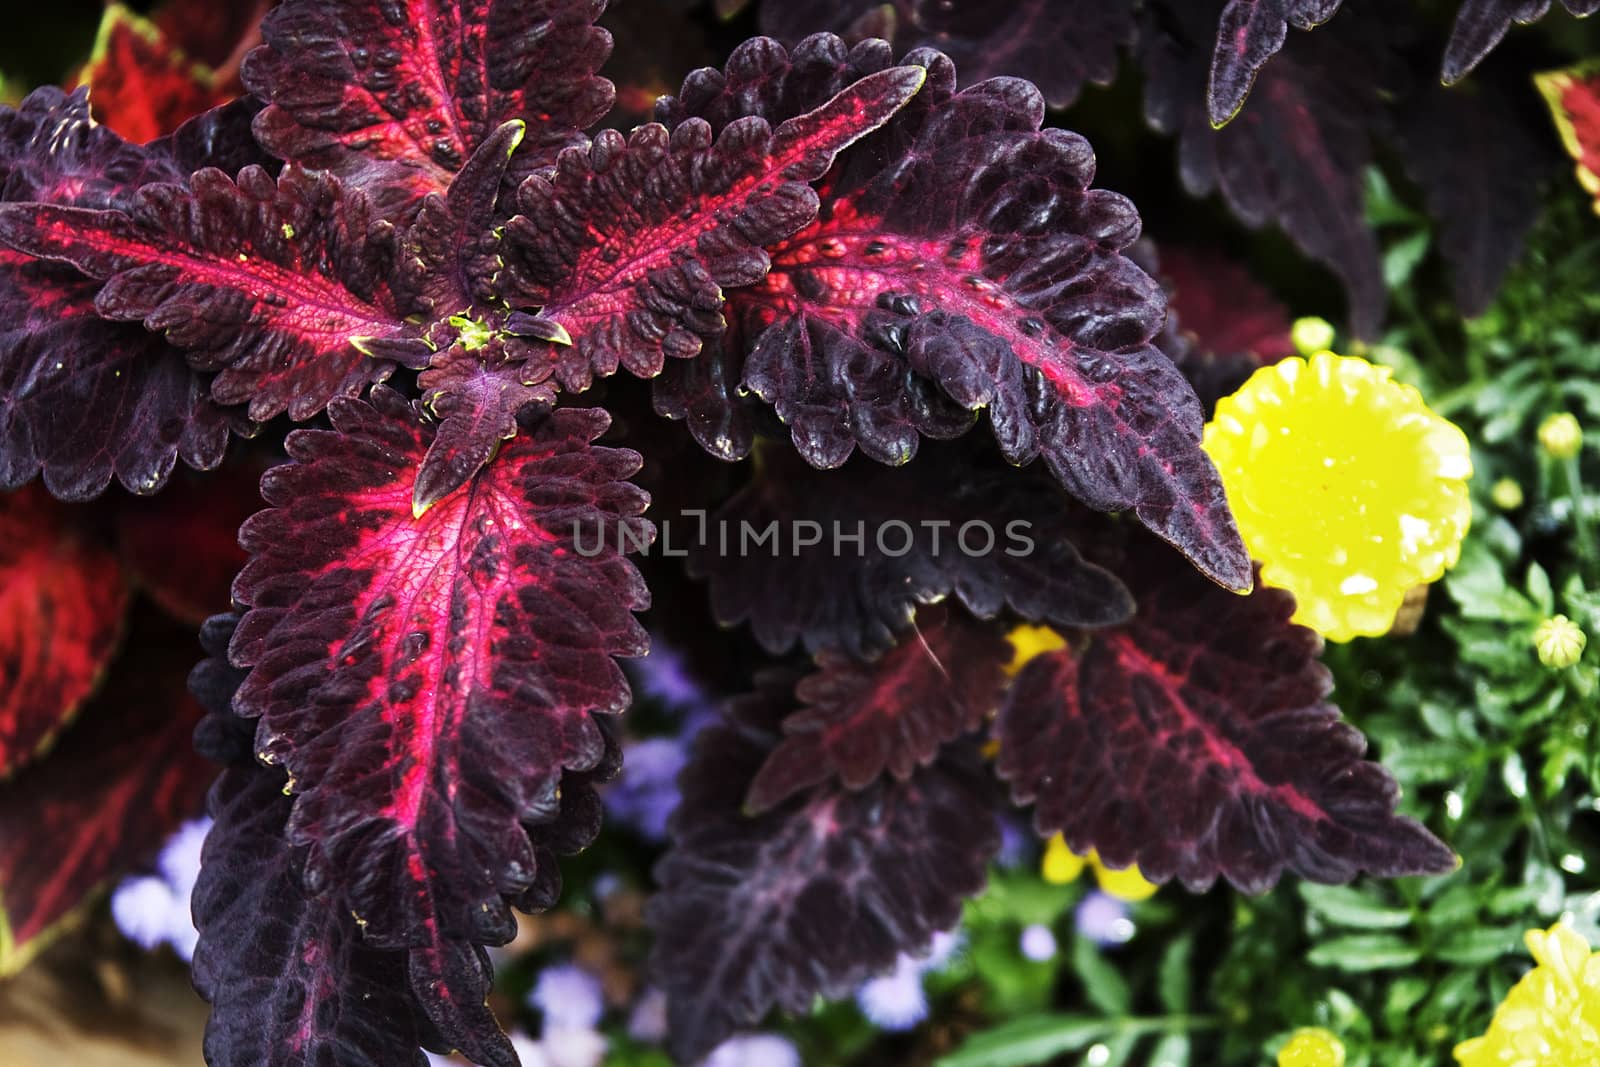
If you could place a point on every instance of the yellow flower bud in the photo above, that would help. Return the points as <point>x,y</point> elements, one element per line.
<point>1506,494</point>
<point>1559,642</point>
<point>1561,436</point>
<point>1312,1046</point>
<point>1311,335</point>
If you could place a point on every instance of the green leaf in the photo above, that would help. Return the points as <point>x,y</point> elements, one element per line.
<point>1173,980</point>
<point>1172,1051</point>
<point>1029,1040</point>
<point>1345,906</point>
<point>1365,952</point>
<point>1474,948</point>
<point>1102,982</point>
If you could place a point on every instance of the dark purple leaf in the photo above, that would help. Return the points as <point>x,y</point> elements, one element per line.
<point>1058,48</point>
<point>1481,23</point>
<point>963,247</point>
<point>395,97</point>
<point>950,523</point>
<point>1228,325</point>
<point>858,720</point>
<point>1295,156</point>
<point>1198,741</point>
<point>1250,33</point>
<point>815,895</point>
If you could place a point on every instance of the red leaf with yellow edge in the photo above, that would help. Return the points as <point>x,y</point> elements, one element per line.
<point>63,596</point>
<point>395,97</point>
<point>630,245</point>
<point>860,720</point>
<point>1574,99</point>
<point>111,791</point>
<point>1198,741</point>
<point>142,85</point>
<point>427,679</point>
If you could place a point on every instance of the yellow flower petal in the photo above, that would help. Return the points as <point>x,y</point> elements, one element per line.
<point>1061,865</point>
<point>1551,1017</point>
<point>1312,1047</point>
<point>1125,883</point>
<point>1346,487</point>
<point>1029,641</point>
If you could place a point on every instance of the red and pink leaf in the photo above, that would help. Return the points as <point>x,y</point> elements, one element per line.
<point>143,85</point>
<point>1198,741</point>
<point>395,97</point>
<point>1250,33</point>
<point>1060,50</point>
<point>812,897</point>
<point>859,720</point>
<point>63,597</point>
<point>954,522</point>
<point>964,246</point>
<point>427,679</point>
<point>282,286</point>
<point>118,783</point>
<point>629,246</point>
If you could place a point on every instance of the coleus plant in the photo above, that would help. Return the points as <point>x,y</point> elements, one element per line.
<point>831,259</point>
<point>1294,153</point>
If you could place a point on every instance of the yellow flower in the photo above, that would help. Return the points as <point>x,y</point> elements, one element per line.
<point>1062,865</point>
<point>1551,1018</point>
<point>1312,1046</point>
<point>1561,435</point>
<point>1346,487</point>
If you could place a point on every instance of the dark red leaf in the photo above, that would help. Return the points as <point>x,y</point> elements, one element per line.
<point>815,895</point>
<point>427,679</point>
<point>182,545</point>
<point>112,790</point>
<point>81,399</point>
<point>1481,23</point>
<point>1229,325</point>
<point>478,403</point>
<point>859,720</point>
<point>962,245</point>
<point>288,978</point>
<point>1296,154</point>
<point>1250,33</point>
<point>1059,49</point>
<point>280,285</point>
<point>396,96</point>
<point>950,523</point>
<point>220,138</point>
<point>630,245</point>
<point>706,394</point>
<point>214,34</point>
<point>1198,741</point>
<point>63,597</point>
<point>143,85</point>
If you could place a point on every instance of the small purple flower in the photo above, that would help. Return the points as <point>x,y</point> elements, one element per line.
<point>754,1050</point>
<point>180,857</point>
<point>645,794</point>
<point>896,1000</point>
<point>1039,943</point>
<point>648,1021</point>
<point>664,675</point>
<point>572,1047</point>
<point>1017,845</point>
<point>528,1051</point>
<point>569,996</point>
<point>1103,919</point>
<point>143,908</point>
<point>943,946</point>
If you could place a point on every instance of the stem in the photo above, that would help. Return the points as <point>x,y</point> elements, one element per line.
<point>1582,530</point>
